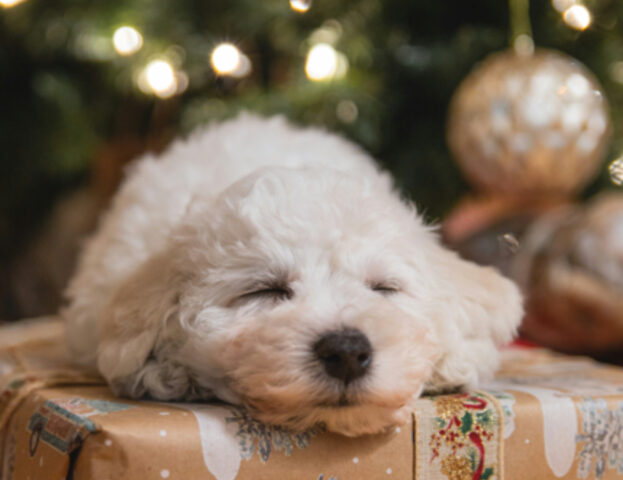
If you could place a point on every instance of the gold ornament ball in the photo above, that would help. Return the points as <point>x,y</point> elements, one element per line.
<point>529,125</point>
<point>570,266</point>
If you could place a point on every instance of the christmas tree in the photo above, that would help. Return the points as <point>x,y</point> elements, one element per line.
<point>86,86</point>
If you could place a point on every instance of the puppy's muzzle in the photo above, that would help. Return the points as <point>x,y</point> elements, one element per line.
<point>345,354</point>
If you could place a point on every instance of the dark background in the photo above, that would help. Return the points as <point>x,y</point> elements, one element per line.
<point>72,115</point>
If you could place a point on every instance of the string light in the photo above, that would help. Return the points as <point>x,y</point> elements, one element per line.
<point>321,62</point>
<point>127,40</point>
<point>324,63</point>
<point>300,6</point>
<point>244,67</point>
<point>182,82</point>
<point>562,5</point>
<point>330,32</point>
<point>342,65</point>
<point>10,3</point>
<point>347,111</point>
<point>158,78</point>
<point>225,58</point>
<point>577,16</point>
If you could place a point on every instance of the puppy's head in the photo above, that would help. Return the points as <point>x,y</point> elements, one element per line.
<point>308,297</point>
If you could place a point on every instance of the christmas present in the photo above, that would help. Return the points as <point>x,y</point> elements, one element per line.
<point>543,416</point>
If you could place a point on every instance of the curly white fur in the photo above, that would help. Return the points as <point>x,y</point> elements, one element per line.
<point>158,301</point>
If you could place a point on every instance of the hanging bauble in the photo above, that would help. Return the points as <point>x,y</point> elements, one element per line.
<point>529,124</point>
<point>570,267</point>
<point>566,257</point>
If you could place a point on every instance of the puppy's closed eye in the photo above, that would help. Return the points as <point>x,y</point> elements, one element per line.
<point>384,288</point>
<point>277,292</point>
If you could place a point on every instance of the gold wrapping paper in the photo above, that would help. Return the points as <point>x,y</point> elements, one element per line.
<point>544,416</point>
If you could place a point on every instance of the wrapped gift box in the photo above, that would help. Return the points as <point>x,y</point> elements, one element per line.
<point>544,416</point>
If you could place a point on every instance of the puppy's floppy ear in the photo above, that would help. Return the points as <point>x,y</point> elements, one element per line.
<point>131,325</point>
<point>479,310</point>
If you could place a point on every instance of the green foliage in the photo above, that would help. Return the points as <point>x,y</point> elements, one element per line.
<point>486,473</point>
<point>484,419</point>
<point>473,461</point>
<point>466,423</point>
<point>65,93</point>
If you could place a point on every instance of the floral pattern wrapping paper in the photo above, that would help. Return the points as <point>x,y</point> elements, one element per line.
<point>543,416</point>
<point>458,437</point>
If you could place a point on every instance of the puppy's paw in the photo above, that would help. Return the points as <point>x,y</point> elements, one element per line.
<point>479,311</point>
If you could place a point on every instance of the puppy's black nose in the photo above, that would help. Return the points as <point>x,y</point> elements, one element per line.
<point>345,354</point>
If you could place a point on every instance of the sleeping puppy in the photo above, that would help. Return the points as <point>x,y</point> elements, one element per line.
<point>276,268</point>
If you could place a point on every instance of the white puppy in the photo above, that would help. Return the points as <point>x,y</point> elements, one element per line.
<point>275,268</point>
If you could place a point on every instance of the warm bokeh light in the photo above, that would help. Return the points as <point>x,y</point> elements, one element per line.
<point>244,67</point>
<point>321,62</point>
<point>160,75</point>
<point>127,40</point>
<point>324,63</point>
<point>225,59</point>
<point>300,6</point>
<point>562,5</point>
<point>159,78</point>
<point>347,111</point>
<point>181,82</point>
<point>330,32</point>
<point>10,3</point>
<point>342,65</point>
<point>578,17</point>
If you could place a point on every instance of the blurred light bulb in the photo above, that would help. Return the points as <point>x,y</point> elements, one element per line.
<point>181,82</point>
<point>300,6</point>
<point>329,32</point>
<point>158,78</point>
<point>342,65</point>
<point>577,16</point>
<point>243,68</point>
<point>127,40</point>
<point>562,5</point>
<point>10,3</point>
<point>347,111</point>
<point>175,55</point>
<point>225,59</point>
<point>322,62</point>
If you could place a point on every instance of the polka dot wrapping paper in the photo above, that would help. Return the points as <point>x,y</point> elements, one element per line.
<point>543,416</point>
